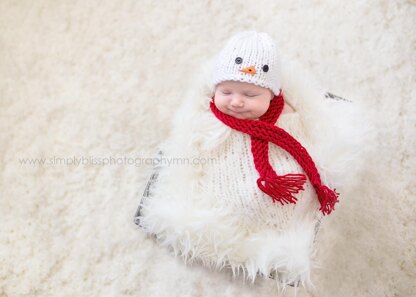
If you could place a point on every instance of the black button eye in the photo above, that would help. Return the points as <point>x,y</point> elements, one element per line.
<point>265,68</point>
<point>238,60</point>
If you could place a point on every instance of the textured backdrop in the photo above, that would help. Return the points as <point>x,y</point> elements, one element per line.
<point>90,82</point>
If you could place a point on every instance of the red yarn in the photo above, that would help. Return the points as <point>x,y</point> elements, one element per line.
<point>263,131</point>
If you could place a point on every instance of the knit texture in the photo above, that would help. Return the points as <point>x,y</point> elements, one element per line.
<point>232,180</point>
<point>253,53</point>
<point>279,188</point>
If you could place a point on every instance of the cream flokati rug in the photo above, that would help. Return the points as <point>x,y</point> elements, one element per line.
<point>87,92</point>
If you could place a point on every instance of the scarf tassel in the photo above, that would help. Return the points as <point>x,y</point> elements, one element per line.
<point>327,199</point>
<point>280,188</point>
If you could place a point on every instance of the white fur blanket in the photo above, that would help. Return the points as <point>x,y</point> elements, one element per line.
<point>87,94</point>
<point>185,217</point>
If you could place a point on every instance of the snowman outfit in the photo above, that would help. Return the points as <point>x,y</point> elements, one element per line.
<point>209,207</point>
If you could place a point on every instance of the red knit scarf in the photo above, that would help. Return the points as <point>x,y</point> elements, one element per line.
<point>262,131</point>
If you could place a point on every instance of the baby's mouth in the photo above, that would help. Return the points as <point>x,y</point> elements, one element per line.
<point>234,111</point>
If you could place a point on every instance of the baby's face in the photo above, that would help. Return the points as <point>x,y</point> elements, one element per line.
<point>242,100</point>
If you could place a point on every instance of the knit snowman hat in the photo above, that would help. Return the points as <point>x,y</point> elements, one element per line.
<point>249,56</point>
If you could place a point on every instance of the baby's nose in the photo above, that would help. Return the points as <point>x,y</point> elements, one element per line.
<point>237,102</point>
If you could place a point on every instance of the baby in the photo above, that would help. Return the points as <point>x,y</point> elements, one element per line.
<point>256,207</point>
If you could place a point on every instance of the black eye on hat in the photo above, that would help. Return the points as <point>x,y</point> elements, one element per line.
<point>238,60</point>
<point>265,68</point>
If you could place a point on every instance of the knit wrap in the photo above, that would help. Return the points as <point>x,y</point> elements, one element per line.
<point>263,131</point>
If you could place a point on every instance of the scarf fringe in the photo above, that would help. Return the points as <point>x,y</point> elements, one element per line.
<point>281,188</point>
<point>327,199</point>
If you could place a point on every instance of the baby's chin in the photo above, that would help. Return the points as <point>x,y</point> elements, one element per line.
<point>242,116</point>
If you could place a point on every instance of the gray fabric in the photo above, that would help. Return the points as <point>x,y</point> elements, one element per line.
<point>147,190</point>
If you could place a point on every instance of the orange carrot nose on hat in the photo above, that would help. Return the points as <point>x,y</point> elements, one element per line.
<point>252,57</point>
<point>249,70</point>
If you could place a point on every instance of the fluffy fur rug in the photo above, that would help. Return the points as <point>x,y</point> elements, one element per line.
<point>87,93</point>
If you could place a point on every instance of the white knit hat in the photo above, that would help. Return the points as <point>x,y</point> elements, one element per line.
<point>252,57</point>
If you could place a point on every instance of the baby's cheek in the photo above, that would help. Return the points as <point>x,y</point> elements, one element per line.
<point>221,105</point>
<point>262,107</point>
<point>266,107</point>
<point>255,111</point>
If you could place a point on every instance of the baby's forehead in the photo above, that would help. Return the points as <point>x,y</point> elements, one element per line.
<point>243,86</point>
